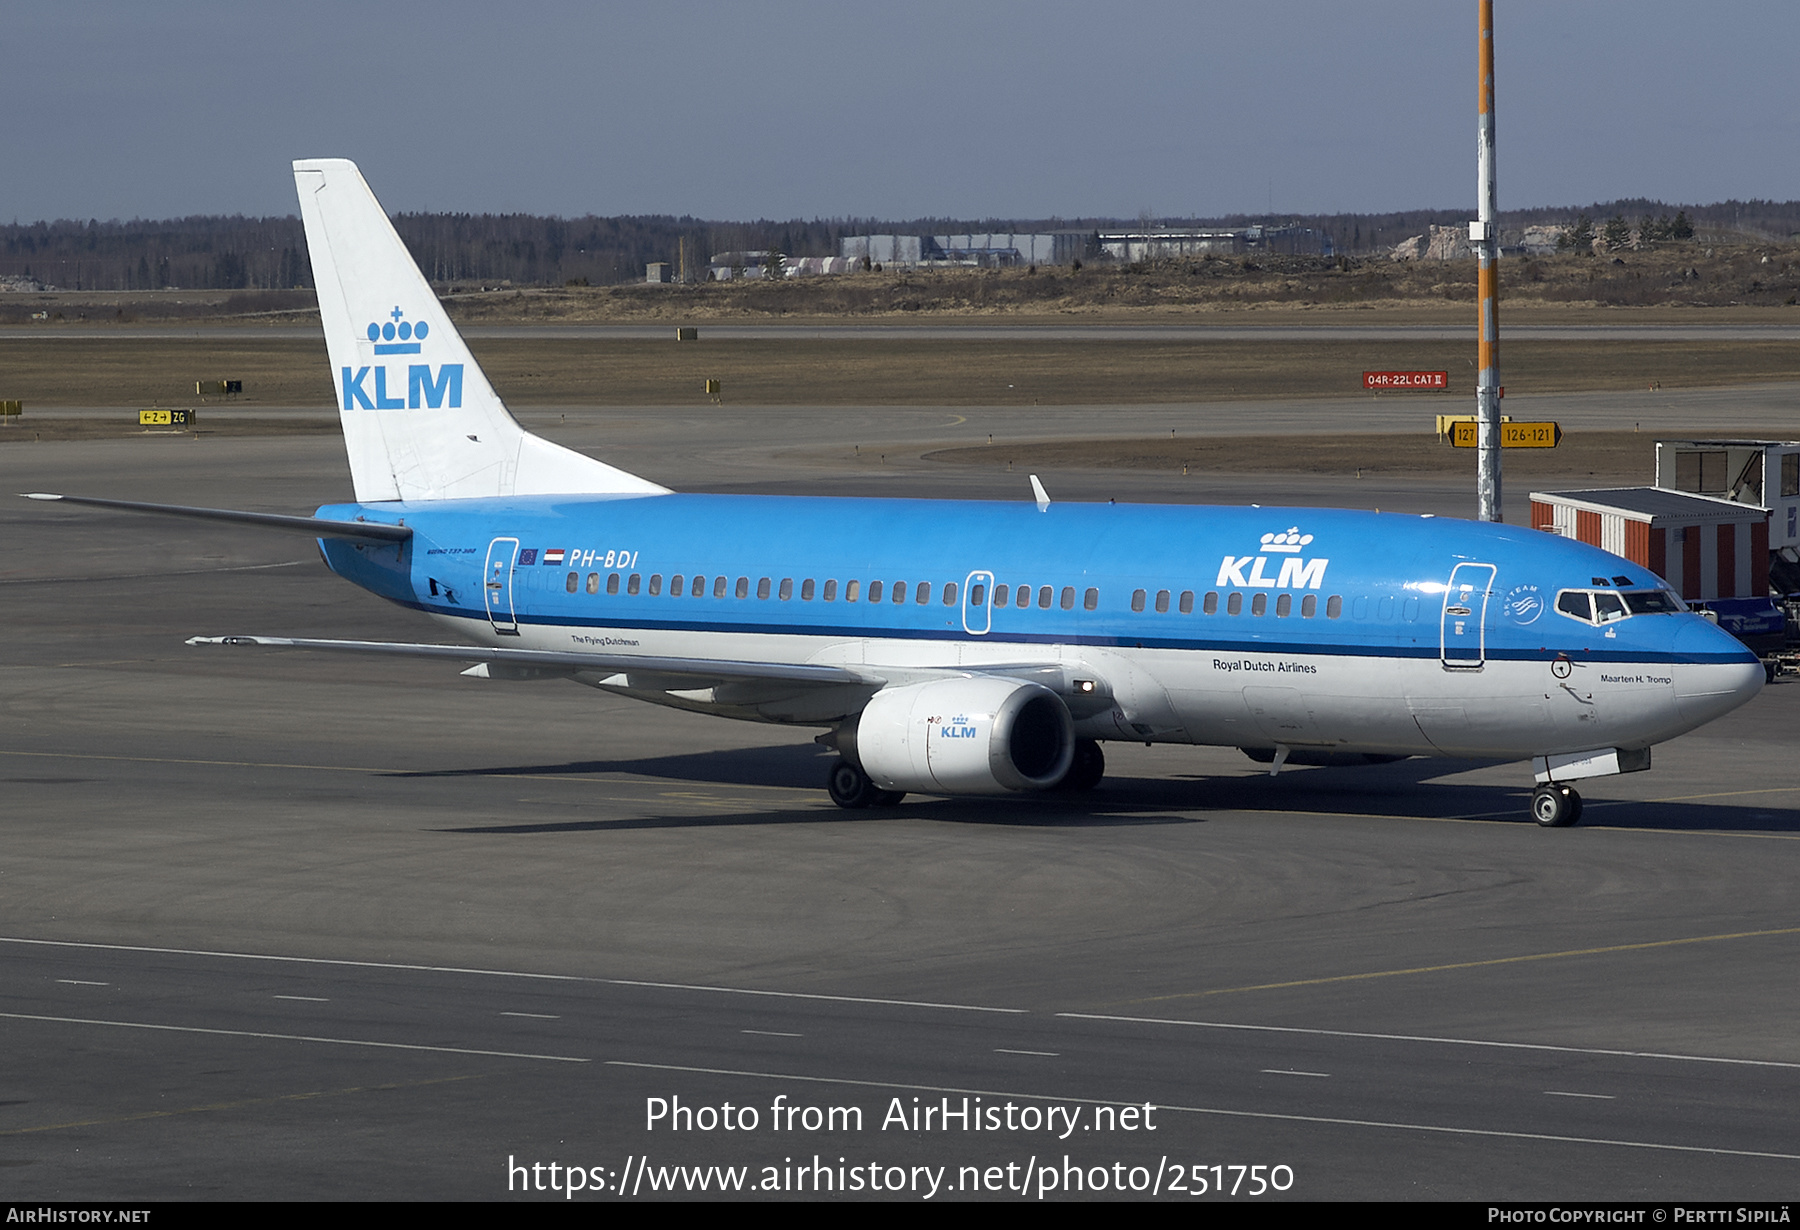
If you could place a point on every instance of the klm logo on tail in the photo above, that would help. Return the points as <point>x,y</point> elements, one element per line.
<point>397,335</point>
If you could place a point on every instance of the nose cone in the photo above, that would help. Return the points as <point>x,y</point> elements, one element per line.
<point>1714,672</point>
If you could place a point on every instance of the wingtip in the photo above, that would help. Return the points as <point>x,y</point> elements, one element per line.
<point>38,495</point>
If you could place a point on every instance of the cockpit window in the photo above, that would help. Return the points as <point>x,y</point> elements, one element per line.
<point>1652,602</point>
<point>1606,606</point>
<point>1575,602</point>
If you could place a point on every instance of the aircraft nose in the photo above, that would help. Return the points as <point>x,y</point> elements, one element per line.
<point>1714,672</point>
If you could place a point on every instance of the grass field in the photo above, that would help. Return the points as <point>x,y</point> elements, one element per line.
<point>116,368</point>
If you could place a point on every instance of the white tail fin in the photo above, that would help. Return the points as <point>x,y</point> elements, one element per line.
<point>420,420</point>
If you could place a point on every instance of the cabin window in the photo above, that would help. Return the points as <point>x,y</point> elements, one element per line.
<point>1384,609</point>
<point>675,585</point>
<point>762,589</point>
<point>1309,606</point>
<point>899,592</point>
<point>1137,599</point>
<point>831,591</point>
<point>1284,606</point>
<point>1187,602</point>
<point>806,590</point>
<point>851,589</point>
<point>573,583</point>
<point>922,593</point>
<point>1234,604</point>
<point>977,593</point>
<point>874,591</point>
<point>593,583</point>
<point>1210,605</point>
<point>655,584</point>
<point>786,592</point>
<point>1259,605</point>
<point>949,593</point>
<point>1090,601</point>
<point>634,583</point>
<point>1068,598</point>
<point>743,587</point>
<point>612,583</point>
<point>1334,606</point>
<point>1162,602</point>
<point>1001,594</point>
<point>719,584</point>
<point>1409,610</point>
<point>1045,595</point>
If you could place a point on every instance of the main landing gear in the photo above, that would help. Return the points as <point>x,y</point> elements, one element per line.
<point>1555,806</point>
<point>1086,770</point>
<point>850,788</point>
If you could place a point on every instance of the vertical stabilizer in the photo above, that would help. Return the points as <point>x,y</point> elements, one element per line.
<point>420,420</point>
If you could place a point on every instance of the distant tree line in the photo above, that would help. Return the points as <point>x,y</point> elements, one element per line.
<point>227,253</point>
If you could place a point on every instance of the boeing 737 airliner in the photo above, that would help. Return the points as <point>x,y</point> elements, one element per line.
<point>959,648</point>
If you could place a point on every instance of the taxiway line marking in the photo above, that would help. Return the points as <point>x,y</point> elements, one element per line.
<point>246,1033</point>
<point>1330,1121</point>
<point>1456,965</point>
<point>1485,1042</point>
<point>238,1105</point>
<point>504,973</point>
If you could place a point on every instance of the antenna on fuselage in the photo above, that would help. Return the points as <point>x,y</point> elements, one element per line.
<point>1043,497</point>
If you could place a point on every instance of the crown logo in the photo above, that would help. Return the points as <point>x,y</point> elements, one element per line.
<point>397,335</point>
<point>1288,543</point>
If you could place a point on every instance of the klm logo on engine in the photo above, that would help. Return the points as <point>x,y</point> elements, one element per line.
<point>1295,573</point>
<point>366,388</point>
<point>958,727</point>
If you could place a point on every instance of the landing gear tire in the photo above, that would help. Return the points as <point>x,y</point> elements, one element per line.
<point>850,788</point>
<point>1555,807</point>
<point>1087,768</point>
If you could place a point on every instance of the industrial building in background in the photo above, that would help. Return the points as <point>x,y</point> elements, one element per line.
<point>1721,526</point>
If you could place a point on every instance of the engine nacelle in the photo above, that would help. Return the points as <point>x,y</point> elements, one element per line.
<point>977,735</point>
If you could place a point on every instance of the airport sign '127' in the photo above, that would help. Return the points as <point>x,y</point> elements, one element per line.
<point>1406,380</point>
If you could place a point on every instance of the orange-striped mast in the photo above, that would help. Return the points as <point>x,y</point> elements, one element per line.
<point>1485,234</point>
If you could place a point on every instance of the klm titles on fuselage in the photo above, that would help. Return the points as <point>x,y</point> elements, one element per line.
<point>1296,573</point>
<point>423,390</point>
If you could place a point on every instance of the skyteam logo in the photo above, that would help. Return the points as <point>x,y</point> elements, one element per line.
<point>398,335</point>
<point>1523,604</point>
<point>1295,573</point>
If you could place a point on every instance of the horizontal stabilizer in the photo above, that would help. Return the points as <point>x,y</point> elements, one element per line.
<point>312,527</point>
<point>686,668</point>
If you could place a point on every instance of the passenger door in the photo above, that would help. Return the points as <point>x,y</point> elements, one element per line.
<point>1463,629</point>
<point>497,585</point>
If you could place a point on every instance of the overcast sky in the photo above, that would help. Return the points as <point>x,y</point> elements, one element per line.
<point>968,109</point>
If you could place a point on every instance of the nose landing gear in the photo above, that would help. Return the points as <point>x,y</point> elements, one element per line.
<point>1555,806</point>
